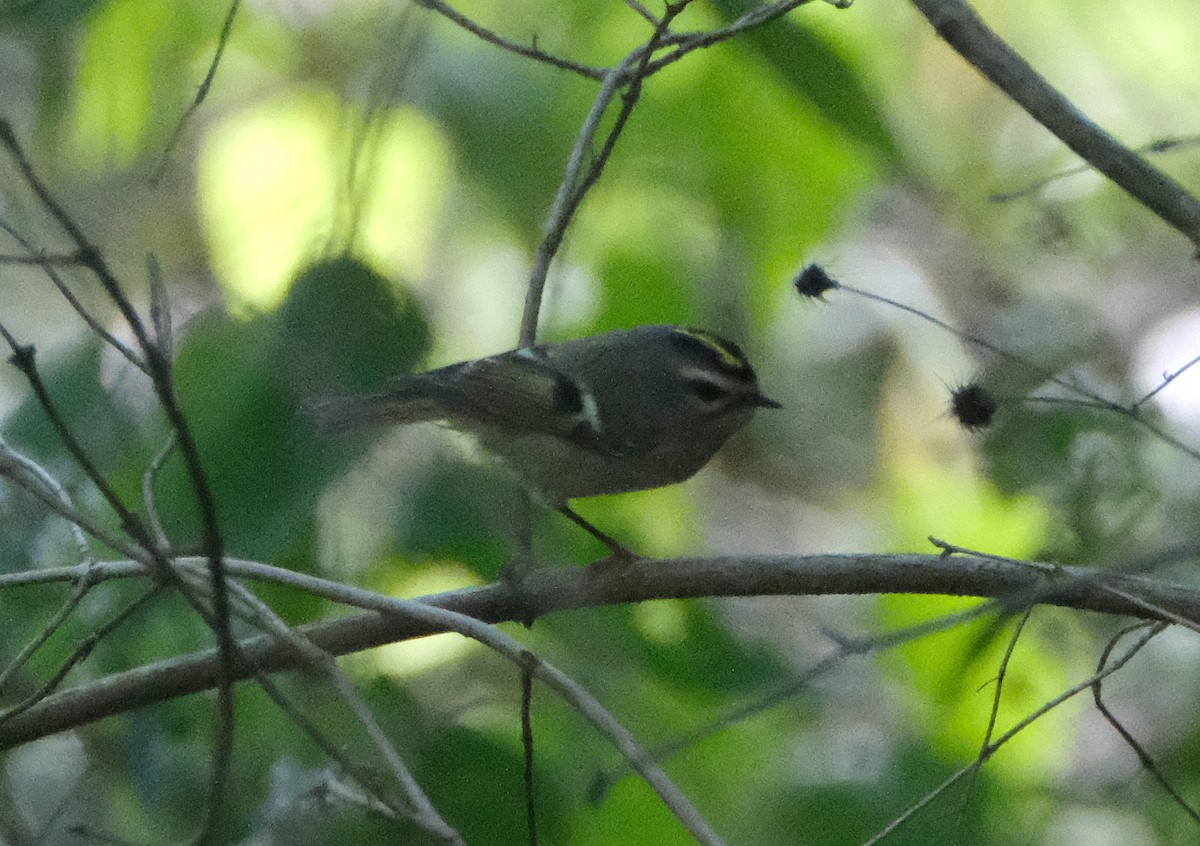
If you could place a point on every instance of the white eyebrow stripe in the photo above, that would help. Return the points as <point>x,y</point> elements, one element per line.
<point>689,374</point>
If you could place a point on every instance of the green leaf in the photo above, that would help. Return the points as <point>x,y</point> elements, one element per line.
<point>817,74</point>
<point>348,329</point>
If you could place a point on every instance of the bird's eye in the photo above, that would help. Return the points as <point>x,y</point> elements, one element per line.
<point>705,391</point>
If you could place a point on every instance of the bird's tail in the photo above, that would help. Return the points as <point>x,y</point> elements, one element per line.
<point>393,408</point>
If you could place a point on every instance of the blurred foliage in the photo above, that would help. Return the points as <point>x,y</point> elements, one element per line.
<point>360,196</point>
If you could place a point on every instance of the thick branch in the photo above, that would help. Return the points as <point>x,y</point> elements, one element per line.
<point>963,30</point>
<point>553,590</point>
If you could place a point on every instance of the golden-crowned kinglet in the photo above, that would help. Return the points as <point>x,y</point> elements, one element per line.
<point>621,411</point>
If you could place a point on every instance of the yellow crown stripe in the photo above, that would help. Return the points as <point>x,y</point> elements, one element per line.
<point>727,356</point>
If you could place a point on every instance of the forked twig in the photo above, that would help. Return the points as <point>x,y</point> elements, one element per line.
<point>989,750</point>
<point>158,368</point>
<point>1147,761</point>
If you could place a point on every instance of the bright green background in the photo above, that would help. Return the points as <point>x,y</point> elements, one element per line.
<point>361,195</point>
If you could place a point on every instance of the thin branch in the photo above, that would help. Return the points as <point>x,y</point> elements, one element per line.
<point>1094,578</point>
<point>681,44</point>
<point>968,35</point>
<point>426,614</point>
<point>160,309</point>
<point>13,469</point>
<point>89,255</point>
<point>1158,613</point>
<point>1091,399</point>
<point>1000,676</point>
<point>847,648</point>
<point>997,695</point>
<point>24,359</point>
<point>1168,378</point>
<point>74,302</point>
<point>39,475</point>
<point>485,34</point>
<point>992,748</point>
<point>156,464</point>
<point>158,368</point>
<point>638,65</point>
<point>645,13</point>
<point>201,92</point>
<point>551,590</point>
<point>1163,145</point>
<point>922,803</point>
<point>255,612</point>
<point>560,212</point>
<point>1147,761</point>
<point>82,588</point>
<point>43,260</point>
<point>553,678</point>
<point>81,652</point>
<point>421,811</point>
<point>576,182</point>
<point>688,42</point>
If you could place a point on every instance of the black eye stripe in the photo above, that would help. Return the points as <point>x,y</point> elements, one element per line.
<point>706,390</point>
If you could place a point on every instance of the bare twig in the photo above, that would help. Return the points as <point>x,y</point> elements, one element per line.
<point>82,651</point>
<point>1162,145</point>
<point>560,213</point>
<point>156,464</point>
<point>160,309</point>
<point>74,302</point>
<point>557,681</point>
<point>688,42</point>
<point>1157,612</point>
<point>527,745</point>
<point>1168,378</point>
<point>993,747</point>
<point>576,181</point>
<point>43,260</point>
<point>847,648</point>
<point>11,459</point>
<point>448,12</point>
<point>13,469</point>
<point>645,13</point>
<point>23,358</point>
<point>998,693</point>
<point>968,35</point>
<point>1093,578</point>
<point>82,588</point>
<point>1147,761</point>
<point>201,92</point>
<point>1090,398</point>
<point>420,810</point>
<point>1000,675</point>
<point>158,368</point>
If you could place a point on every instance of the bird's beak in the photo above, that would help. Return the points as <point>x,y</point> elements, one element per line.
<point>759,401</point>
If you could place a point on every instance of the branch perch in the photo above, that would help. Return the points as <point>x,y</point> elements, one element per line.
<point>555,590</point>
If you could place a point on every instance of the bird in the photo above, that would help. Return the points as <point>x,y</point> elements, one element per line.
<point>624,410</point>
